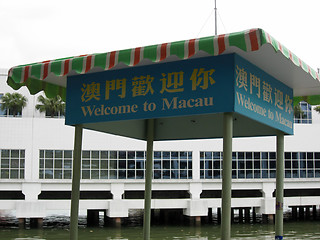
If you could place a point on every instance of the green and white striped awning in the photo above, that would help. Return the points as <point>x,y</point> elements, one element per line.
<point>255,45</point>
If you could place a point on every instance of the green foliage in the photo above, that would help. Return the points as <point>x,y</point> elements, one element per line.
<point>317,108</point>
<point>51,106</point>
<point>13,102</point>
<point>298,112</point>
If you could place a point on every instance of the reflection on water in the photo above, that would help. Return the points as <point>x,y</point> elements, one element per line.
<point>57,227</point>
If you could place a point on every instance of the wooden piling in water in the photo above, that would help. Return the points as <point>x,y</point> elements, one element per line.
<point>247,215</point>
<point>219,215</point>
<point>301,213</point>
<point>240,215</point>
<point>314,212</point>
<point>294,213</point>
<point>254,215</point>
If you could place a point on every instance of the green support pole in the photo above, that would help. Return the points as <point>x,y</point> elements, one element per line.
<point>75,183</point>
<point>226,176</point>
<point>148,180</point>
<point>279,186</point>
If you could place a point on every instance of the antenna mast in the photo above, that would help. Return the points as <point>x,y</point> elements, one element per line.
<point>215,15</point>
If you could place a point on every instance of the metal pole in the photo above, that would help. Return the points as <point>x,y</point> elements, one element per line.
<point>215,16</point>
<point>75,183</point>
<point>279,186</point>
<point>226,176</point>
<point>148,180</point>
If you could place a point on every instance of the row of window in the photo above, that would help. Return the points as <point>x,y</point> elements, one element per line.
<point>57,164</point>
<point>247,165</point>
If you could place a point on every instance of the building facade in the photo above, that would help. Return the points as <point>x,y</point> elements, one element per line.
<point>36,168</point>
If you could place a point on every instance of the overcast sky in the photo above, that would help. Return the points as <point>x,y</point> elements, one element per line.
<point>38,30</point>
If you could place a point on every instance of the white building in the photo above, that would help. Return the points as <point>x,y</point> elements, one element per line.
<point>36,162</point>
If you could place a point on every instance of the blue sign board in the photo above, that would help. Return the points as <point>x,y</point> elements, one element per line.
<point>225,83</point>
<point>261,97</point>
<point>178,88</point>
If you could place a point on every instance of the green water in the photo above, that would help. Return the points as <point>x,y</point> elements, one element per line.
<point>292,230</point>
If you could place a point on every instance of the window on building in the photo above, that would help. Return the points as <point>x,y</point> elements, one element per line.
<point>172,165</point>
<point>2,112</point>
<point>248,165</point>
<point>210,165</point>
<point>57,164</point>
<point>303,114</point>
<point>302,165</point>
<point>12,164</point>
<point>58,114</point>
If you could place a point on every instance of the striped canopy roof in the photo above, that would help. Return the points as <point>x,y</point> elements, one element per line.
<point>255,45</point>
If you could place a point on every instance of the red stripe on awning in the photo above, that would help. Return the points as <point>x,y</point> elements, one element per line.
<point>46,69</point>
<point>66,67</point>
<point>254,40</point>
<point>88,63</point>
<point>280,46</point>
<point>136,56</point>
<point>163,51</point>
<point>112,59</point>
<point>269,38</point>
<point>26,73</point>
<point>221,44</point>
<point>191,47</point>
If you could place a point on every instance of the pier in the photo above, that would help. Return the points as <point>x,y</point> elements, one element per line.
<point>36,163</point>
<point>192,200</point>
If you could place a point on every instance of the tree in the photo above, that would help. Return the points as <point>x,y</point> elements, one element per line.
<point>317,108</point>
<point>51,106</point>
<point>13,102</point>
<point>298,112</point>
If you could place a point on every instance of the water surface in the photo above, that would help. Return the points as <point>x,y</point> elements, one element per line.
<point>292,230</point>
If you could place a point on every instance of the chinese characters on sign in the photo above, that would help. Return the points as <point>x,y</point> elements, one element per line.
<point>90,91</point>
<point>254,88</point>
<point>262,97</point>
<point>141,86</point>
